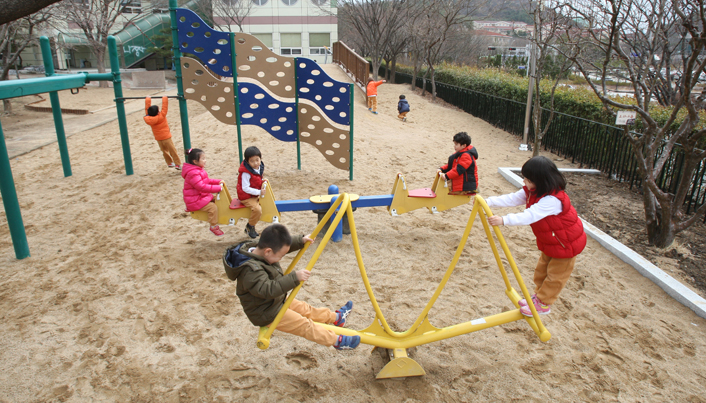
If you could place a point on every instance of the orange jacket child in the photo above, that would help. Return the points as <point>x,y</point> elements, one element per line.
<point>371,91</point>
<point>160,129</point>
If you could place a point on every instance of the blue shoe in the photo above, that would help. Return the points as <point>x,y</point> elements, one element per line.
<point>375,112</point>
<point>347,342</point>
<point>370,109</point>
<point>342,314</point>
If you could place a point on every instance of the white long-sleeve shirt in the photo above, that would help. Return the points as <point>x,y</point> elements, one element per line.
<point>245,183</point>
<point>546,206</point>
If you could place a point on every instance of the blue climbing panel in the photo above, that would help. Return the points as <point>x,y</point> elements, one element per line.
<point>331,96</point>
<point>211,47</point>
<point>259,108</point>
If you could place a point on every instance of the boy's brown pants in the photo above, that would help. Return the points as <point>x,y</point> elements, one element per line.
<point>299,321</point>
<point>253,204</point>
<point>373,103</point>
<point>402,115</point>
<point>212,210</point>
<point>550,277</point>
<point>171,156</point>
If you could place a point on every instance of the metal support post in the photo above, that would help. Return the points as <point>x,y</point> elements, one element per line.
<point>56,108</point>
<point>120,103</point>
<point>12,206</point>
<point>528,111</point>
<point>183,111</point>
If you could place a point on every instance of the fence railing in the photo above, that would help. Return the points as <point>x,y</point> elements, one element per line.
<point>591,144</point>
<point>355,65</point>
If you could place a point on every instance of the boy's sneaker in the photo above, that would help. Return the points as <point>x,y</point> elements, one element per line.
<point>342,314</point>
<point>250,230</point>
<point>375,112</point>
<point>217,230</point>
<point>542,308</point>
<point>172,165</point>
<point>178,167</point>
<point>523,302</point>
<point>347,342</point>
<point>370,109</point>
<point>404,119</point>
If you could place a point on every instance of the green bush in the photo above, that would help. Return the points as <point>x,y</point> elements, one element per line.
<point>575,100</point>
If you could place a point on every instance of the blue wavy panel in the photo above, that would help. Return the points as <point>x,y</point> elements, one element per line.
<point>259,108</point>
<point>210,46</point>
<point>331,96</point>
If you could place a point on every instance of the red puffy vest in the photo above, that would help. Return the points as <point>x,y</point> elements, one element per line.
<point>559,236</point>
<point>255,179</point>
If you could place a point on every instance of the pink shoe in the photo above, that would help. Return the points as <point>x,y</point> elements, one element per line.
<point>523,302</point>
<point>217,231</point>
<point>542,308</point>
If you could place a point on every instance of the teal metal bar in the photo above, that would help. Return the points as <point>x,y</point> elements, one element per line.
<point>183,110</point>
<point>31,86</point>
<point>56,108</point>
<point>236,96</point>
<point>120,103</point>
<point>12,206</point>
<point>296,105</point>
<point>98,76</point>
<point>350,134</point>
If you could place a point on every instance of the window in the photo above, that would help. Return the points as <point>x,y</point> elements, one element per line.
<point>317,41</point>
<point>264,38</point>
<point>289,2</point>
<point>259,2</point>
<point>290,51</point>
<point>131,6</point>
<point>291,44</point>
<point>320,2</point>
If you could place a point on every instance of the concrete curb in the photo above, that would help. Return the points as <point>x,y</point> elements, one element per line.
<point>674,288</point>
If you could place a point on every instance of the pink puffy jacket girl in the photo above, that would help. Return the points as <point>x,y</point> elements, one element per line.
<point>199,188</point>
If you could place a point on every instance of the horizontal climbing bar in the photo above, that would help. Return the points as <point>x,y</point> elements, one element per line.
<point>172,97</point>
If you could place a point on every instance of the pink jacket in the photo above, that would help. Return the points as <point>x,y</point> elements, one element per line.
<point>198,187</point>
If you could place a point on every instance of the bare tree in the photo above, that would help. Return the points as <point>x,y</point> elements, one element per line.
<point>639,36</point>
<point>15,9</point>
<point>440,19</point>
<point>548,24</point>
<point>15,36</point>
<point>227,13</point>
<point>96,19</point>
<point>376,21</point>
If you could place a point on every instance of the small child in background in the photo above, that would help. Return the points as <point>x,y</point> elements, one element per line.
<point>160,129</point>
<point>262,289</point>
<point>555,223</point>
<point>402,108</point>
<point>199,188</point>
<point>371,91</point>
<point>461,168</point>
<point>250,178</point>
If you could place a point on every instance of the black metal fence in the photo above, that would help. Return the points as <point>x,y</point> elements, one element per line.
<point>591,144</point>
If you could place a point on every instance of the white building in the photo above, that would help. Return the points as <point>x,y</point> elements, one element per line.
<point>293,27</point>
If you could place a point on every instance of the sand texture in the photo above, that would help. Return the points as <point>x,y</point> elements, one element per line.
<point>125,298</point>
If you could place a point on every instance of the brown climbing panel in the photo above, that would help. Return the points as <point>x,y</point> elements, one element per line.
<point>331,141</point>
<point>256,61</point>
<point>202,86</point>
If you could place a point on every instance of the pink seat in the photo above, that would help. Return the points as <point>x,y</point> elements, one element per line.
<point>236,204</point>
<point>424,192</point>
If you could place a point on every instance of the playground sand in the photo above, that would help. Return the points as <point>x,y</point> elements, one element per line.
<point>125,299</point>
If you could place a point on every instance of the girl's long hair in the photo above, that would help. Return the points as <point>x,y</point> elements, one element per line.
<point>544,174</point>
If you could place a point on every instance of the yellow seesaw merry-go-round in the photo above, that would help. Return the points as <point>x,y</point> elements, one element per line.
<point>379,333</point>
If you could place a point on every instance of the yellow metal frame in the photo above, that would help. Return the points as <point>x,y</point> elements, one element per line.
<point>226,216</point>
<point>379,333</point>
<point>402,203</point>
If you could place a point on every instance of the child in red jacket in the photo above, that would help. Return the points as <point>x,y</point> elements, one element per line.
<point>250,178</point>
<point>160,128</point>
<point>461,169</point>
<point>559,230</point>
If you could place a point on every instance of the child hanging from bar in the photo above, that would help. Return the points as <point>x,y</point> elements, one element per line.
<point>160,129</point>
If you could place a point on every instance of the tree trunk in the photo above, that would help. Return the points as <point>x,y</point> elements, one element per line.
<point>424,82</point>
<point>394,70</point>
<point>433,84</point>
<point>15,9</point>
<point>100,63</point>
<point>7,107</point>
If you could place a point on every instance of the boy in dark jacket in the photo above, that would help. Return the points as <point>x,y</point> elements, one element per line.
<point>403,108</point>
<point>262,289</point>
<point>461,168</point>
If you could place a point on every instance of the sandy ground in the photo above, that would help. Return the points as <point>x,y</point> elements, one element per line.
<point>125,299</point>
